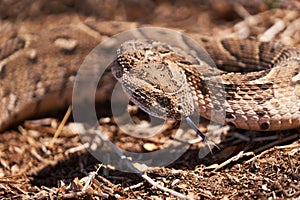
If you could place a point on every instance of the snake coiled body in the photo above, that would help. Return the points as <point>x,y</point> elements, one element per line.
<point>262,91</point>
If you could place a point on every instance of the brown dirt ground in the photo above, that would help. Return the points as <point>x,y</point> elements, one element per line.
<point>249,165</point>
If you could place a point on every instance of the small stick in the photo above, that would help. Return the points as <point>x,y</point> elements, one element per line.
<point>60,127</point>
<point>137,171</point>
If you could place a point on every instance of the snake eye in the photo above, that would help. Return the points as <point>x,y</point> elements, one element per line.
<point>163,101</point>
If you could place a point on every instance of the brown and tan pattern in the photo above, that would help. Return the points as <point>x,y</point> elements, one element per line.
<point>257,86</point>
<point>31,168</point>
<point>262,91</point>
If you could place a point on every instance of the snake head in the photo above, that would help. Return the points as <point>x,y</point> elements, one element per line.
<point>152,76</point>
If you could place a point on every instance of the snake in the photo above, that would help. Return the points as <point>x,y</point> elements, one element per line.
<point>254,85</point>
